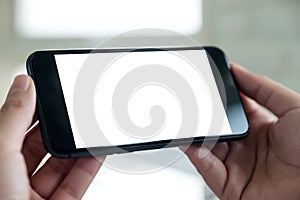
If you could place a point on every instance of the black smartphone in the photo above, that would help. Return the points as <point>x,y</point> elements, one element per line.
<point>107,101</point>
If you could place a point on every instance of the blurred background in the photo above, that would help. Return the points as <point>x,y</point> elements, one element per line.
<point>263,36</point>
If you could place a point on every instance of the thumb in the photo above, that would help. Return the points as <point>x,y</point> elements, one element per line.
<point>16,114</point>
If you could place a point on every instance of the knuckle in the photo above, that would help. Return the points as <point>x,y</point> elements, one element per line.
<point>14,102</point>
<point>84,169</point>
<point>70,191</point>
<point>34,147</point>
<point>230,192</point>
<point>59,166</point>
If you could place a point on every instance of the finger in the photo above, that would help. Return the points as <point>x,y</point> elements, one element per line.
<point>34,195</point>
<point>34,119</point>
<point>256,113</point>
<point>16,114</point>
<point>240,165</point>
<point>220,150</point>
<point>209,166</point>
<point>266,92</point>
<point>50,175</point>
<point>33,149</point>
<point>79,178</point>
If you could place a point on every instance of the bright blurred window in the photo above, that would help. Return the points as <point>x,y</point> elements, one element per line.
<point>100,18</point>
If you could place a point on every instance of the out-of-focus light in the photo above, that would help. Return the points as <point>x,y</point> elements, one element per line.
<point>100,18</point>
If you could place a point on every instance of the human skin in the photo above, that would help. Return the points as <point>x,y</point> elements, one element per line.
<point>265,165</point>
<point>21,154</point>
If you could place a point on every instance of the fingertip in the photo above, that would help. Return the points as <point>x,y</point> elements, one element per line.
<point>192,151</point>
<point>242,76</point>
<point>21,83</point>
<point>237,69</point>
<point>198,152</point>
<point>209,166</point>
<point>234,64</point>
<point>21,95</point>
<point>183,148</point>
<point>94,160</point>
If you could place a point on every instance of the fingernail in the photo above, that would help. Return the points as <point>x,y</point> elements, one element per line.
<point>183,148</point>
<point>203,152</point>
<point>20,84</point>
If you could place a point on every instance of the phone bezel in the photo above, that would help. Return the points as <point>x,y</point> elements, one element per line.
<point>54,120</point>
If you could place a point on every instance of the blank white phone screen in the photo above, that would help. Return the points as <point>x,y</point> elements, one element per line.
<point>191,65</point>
